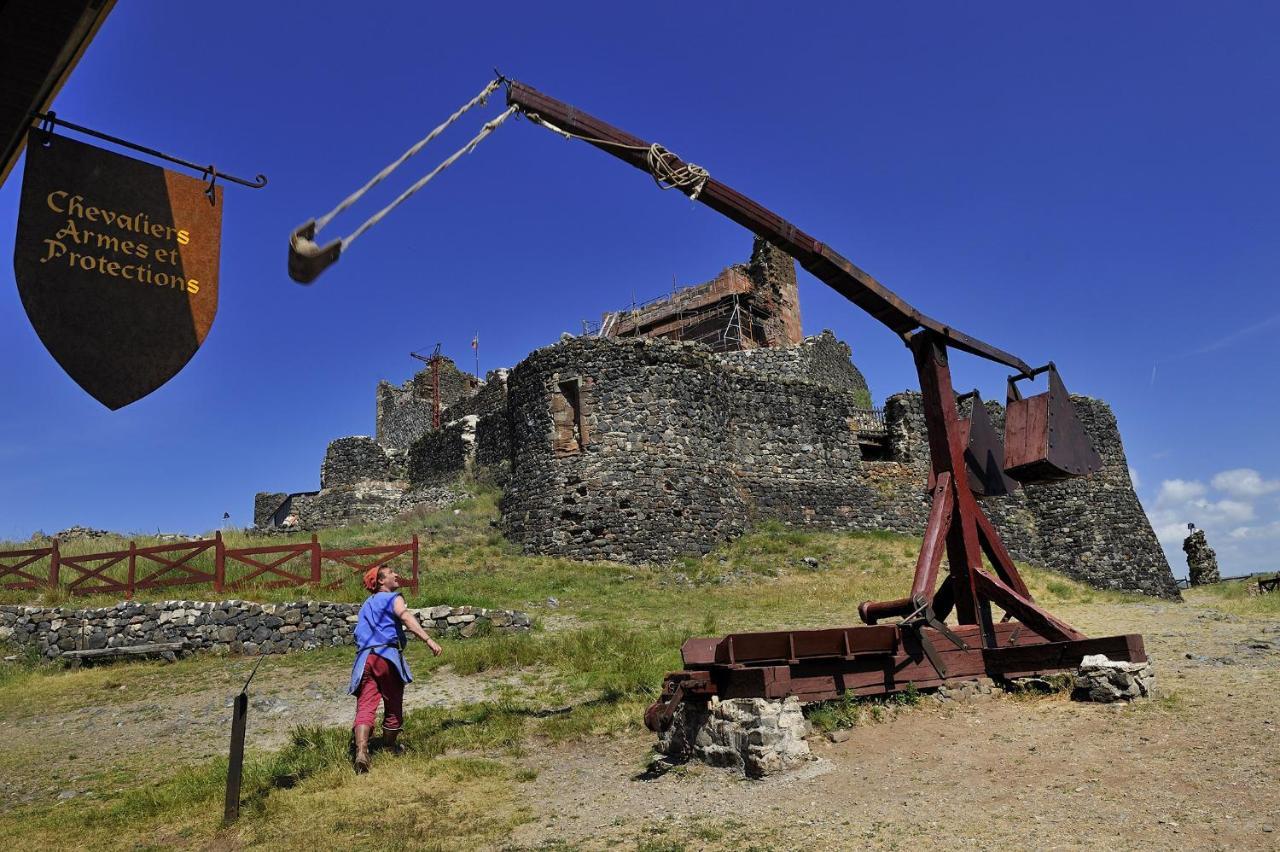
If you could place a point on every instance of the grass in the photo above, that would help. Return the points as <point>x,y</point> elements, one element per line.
<point>851,711</point>
<point>1234,596</point>
<point>617,667</point>
<point>617,630</point>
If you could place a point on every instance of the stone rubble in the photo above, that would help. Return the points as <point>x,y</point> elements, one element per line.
<point>755,736</point>
<point>226,627</point>
<point>1104,680</point>
<point>1202,562</point>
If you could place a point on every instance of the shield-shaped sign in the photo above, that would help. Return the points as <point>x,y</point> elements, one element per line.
<point>117,265</point>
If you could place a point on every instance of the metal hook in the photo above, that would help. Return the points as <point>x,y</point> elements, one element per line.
<point>46,127</point>
<point>212,175</point>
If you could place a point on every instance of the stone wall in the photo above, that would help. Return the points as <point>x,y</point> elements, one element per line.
<point>267,506</point>
<point>236,627</point>
<point>1091,529</point>
<point>823,359</point>
<point>773,272</point>
<point>493,446</point>
<point>404,413</point>
<point>366,503</point>
<point>360,459</point>
<point>402,416</point>
<point>685,448</point>
<point>443,455</point>
<point>490,397</point>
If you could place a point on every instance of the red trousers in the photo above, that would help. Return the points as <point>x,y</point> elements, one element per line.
<point>381,682</point>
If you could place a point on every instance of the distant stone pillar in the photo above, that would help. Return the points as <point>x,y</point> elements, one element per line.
<point>1201,560</point>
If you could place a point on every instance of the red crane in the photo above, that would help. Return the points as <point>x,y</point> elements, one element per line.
<point>434,360</point>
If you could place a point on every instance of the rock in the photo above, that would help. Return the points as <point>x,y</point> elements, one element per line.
<point>1202,562</point>
<point>839,735</point>
<point>756,736</point>
<point>1103,680</point>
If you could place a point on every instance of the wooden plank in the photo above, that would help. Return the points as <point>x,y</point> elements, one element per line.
<point>124,651</point>
<point>1057,656</point>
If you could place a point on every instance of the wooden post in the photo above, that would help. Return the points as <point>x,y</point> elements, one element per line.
<point>55,560</point>
<point>219,562</point>
<point>415,563</point>
<point>315,559</point>
<point>235,760</point>
<point>133,567</point>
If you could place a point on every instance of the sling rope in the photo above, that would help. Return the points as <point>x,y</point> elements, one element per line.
<point>310,247</point>
<point>660,161</point>
<point>666,168</point>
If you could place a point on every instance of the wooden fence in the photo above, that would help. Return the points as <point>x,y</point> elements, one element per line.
<point>193,563</point>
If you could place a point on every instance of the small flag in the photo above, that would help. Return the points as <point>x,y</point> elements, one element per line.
<point>475,342</point>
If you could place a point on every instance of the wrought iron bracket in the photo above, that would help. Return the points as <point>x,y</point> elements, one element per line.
<point>48,120</point>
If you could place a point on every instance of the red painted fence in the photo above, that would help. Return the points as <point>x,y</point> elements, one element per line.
<point>159,566</point>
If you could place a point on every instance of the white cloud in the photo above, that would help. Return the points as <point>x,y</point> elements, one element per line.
<point>1176,491</point>
<point>1228,510</point>
<point>1133,477</point>
<point>1244,482</point>
<point>1259,533</point>
<point>1241,527</point>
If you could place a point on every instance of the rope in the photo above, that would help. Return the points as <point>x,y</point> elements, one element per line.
<point>659,160</point>
<point>310,248</point>
<point>481,98</point>
<point>465,149</point>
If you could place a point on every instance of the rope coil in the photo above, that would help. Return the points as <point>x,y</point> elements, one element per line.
<point>688,176</point>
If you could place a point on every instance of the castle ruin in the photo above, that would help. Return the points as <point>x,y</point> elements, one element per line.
<point>675,426</point>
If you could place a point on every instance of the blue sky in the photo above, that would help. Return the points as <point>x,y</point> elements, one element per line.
<point>1093,184</point>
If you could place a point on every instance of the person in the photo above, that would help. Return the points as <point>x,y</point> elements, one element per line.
<point>380,671</point>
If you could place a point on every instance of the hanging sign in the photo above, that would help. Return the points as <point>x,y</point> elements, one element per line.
<point>117,265</point>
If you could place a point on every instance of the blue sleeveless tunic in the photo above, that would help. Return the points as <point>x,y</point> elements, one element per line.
<point>379,631</point>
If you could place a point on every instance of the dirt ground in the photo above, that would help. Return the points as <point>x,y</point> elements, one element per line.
<point>1198,767</point>
<point>145,733</point>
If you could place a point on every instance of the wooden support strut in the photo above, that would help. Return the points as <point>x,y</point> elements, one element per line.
<point>957,519</point>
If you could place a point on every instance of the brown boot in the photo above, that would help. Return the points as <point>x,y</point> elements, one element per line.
<point>389,742</point>
<point>362,733</point>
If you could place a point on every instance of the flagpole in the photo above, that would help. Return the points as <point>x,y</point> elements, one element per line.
<point>475,344</point>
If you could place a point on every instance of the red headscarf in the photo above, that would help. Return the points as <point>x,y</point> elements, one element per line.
<point>371,579</point>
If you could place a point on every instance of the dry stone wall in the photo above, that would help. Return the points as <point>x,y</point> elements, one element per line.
<point>235,627</point>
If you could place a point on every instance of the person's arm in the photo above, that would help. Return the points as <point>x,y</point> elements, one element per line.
<point>411,624</point>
